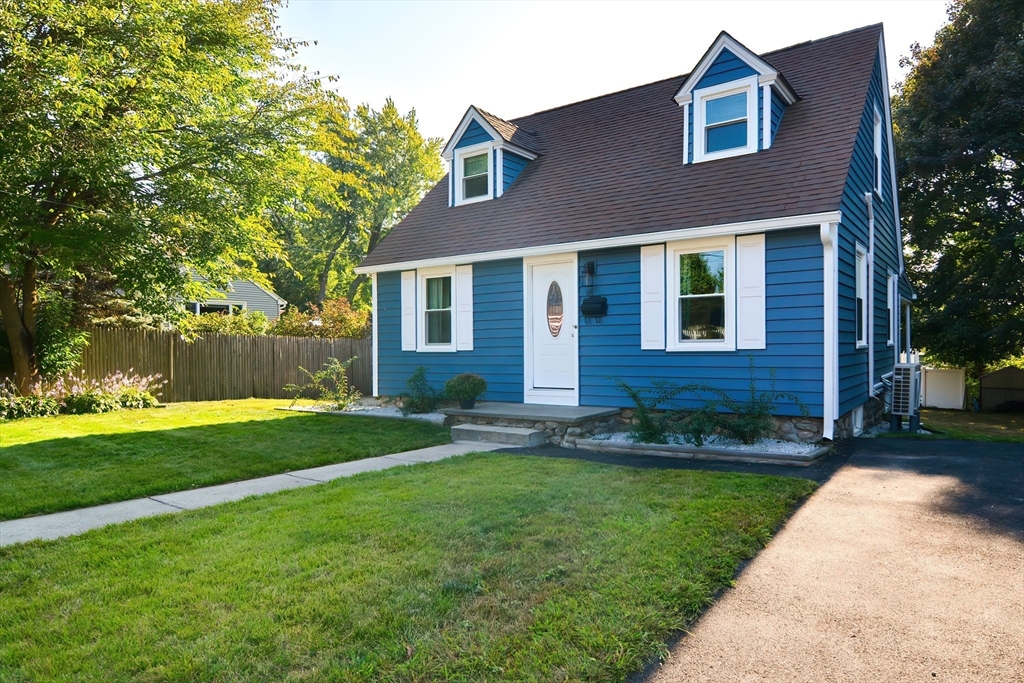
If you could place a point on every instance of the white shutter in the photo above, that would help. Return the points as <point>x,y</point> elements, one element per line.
<point>750,332</point>
<point>652,297</point>
<point>408,310</point>
<point>464,308</point>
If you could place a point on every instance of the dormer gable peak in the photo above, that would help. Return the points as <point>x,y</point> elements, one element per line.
<point>766,73</point>
<point>502,133</point>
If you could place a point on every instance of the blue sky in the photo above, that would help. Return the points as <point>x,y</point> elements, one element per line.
<point>515,58</point>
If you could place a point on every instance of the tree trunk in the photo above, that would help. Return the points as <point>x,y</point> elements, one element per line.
<point>375,237</point>
<point>20,326</point>
<point>325,272</point>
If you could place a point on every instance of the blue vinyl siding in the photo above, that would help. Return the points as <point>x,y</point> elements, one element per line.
<point>853,362</point>
<point>689,134</point>
<point>497,353</point>
<point>760,118</point>
<point>610,349</point>
<point>474,134</point>
<point>778,109</point>
<point>726,67</point>
<point>512,166</point>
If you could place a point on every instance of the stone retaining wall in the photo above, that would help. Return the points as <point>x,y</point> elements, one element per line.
<point>559,433</point>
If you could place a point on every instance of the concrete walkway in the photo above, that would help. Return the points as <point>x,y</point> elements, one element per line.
<point>45,527</point>
<point>907,565</point>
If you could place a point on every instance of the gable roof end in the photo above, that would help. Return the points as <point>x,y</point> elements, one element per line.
<point>506,133</point>
<point>767,74</point>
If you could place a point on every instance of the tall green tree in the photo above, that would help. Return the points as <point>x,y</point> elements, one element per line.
<point>959,133</point>
<point>384,166</point>
<point>143,139</point>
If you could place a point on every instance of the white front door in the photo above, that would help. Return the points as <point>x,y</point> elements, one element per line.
<point>552,367</point>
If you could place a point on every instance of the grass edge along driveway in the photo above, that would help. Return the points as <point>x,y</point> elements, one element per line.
<point>73,461</point>
<point>482,567</point>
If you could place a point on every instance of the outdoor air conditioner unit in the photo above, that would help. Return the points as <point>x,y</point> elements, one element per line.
<point>906,388</point>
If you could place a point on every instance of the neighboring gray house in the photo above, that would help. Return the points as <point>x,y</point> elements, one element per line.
<point>241,295</point>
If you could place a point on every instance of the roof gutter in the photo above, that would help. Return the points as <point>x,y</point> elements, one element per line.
<point>743,228</point>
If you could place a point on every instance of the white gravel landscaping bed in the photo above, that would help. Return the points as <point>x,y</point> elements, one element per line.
<point>763,446</point>
<point>375,411</point>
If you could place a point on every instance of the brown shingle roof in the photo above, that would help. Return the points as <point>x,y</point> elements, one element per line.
<point>510,132</point>
<point>613,165</point>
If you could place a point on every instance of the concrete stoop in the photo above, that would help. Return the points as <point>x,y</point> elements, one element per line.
<point>512,436</point>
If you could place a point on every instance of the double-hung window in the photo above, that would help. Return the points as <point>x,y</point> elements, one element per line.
<point>861,294</point>
<point>474,176</point>
<point>725,120</point>
<point>473,170</point>
<point>701,294</point>
<point>438,310</point>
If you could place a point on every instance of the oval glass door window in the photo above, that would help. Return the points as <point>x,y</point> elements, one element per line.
<point>554,309</point>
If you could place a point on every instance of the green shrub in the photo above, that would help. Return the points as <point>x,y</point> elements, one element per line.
<point>14,407</point>
<point>465,387</point>
<point>91,402</point>
<point>747,421</point>
<point>420,397</point>
<point>649,426</point>
<point>329,386</point>
<point>133,398</point>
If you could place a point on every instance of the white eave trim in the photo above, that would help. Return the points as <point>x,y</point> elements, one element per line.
<point>743,228</point>
<point>767,75</point>
<point>892,153</point>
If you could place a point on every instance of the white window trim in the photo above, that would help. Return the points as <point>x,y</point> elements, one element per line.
<point>672,252</point>
<point>748,85</point>
<point>472,151</point>
<point>878,152</point>
<point>421,309</point>
<point>890,308</point>
<point>861,290</point>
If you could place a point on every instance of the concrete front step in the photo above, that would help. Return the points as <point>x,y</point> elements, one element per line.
<point>513,436</point>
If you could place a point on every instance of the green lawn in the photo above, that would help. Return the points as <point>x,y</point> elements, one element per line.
<point>485,567</point>
<point>967,425</point>
<point>72,461</point>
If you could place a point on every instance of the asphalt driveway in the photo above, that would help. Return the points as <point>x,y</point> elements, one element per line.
<point>907,565</point>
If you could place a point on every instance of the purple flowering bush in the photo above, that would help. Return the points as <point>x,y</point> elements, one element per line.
<point>76,395</point>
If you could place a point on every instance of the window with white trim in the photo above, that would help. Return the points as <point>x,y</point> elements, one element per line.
<point>725,120</point>
<point>474,170</point>
<point>437,312</point>
<point>861,277</point>
<point>435,309</point>
<point>701,295</point>
<point>890,308</point>
<point>878,152</point>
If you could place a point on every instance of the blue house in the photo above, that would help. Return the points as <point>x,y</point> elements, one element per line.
<point>671,231</point>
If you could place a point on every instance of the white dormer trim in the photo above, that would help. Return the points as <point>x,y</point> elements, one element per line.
<point>767,75</point>
<point>747,86</point>
<point>498,142</point>
<point>457,168</point>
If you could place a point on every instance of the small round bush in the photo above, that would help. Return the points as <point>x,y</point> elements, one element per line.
<point>91,402</point>
<point>465,387</point>
<point>136,398</point>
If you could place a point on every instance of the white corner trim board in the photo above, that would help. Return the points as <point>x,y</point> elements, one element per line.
<point>637,239</point>
<point>830,390</point>
<point>374,311</point>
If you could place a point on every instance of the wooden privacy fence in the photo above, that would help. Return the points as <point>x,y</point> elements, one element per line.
<point>221,366</point>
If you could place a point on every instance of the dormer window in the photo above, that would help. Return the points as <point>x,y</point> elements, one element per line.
<point>725,120</point>
<point>474,169</point>
<point>474,176</point>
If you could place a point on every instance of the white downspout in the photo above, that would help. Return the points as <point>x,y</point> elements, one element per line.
<point>870,284</point>
<point>830,352</point>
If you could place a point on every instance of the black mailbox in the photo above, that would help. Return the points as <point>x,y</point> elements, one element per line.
<point>594,307</point>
